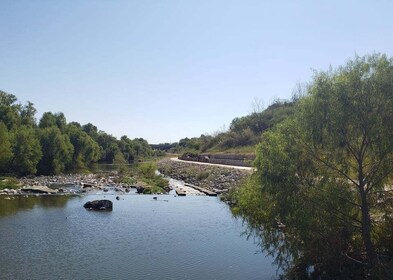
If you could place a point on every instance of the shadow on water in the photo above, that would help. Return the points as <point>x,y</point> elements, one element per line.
<point>11,205</point>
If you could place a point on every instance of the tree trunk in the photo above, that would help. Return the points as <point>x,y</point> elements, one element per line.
<point>366,229</point>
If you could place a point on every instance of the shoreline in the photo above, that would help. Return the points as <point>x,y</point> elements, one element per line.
<point>67,184</point>
<point>216,178</point>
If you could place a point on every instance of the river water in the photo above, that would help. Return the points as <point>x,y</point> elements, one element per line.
<point>196,237</point>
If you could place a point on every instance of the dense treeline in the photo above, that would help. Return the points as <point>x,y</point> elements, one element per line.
<point>321,198</point>
<point>243,132</point>
<point>53,146</point>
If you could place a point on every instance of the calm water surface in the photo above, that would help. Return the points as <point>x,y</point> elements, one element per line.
<point>54,237</point>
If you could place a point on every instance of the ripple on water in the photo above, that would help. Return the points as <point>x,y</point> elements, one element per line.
<point>183,238</point>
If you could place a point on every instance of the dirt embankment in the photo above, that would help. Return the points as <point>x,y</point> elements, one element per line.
<point>216,178</point>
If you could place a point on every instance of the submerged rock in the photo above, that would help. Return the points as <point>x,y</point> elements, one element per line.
<point>103,205</point>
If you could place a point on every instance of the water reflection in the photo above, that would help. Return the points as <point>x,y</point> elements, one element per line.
<point>11,205</point>
<point>142,238</point>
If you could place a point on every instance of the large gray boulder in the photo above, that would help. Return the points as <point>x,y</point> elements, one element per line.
<point>38,189</point>
<point>102,205</point>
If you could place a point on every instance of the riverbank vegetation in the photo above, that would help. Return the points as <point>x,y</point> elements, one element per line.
<point>243,135</point>
<point>144,177</point>
<point>8,183</point>
<point>54,146</point>
<point>321,200</point>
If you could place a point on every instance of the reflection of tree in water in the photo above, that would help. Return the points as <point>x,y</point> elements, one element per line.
<point>294,257</point>
<point>20,203</point>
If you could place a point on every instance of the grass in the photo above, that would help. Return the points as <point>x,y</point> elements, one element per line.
<point>8,183</point>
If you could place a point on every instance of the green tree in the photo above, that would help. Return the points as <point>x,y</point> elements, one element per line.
<point>127,148</point>
<point>26,150</point>
<point>348,128</point>
<point>9,111</point>
<point>91,130</point>
<point>322,177</point>
<point>5,148</point>
<point>27,114</point>
<point>49,119</point>
<point>57,151</point>
<point>109,146</point>
<point>86,150</point>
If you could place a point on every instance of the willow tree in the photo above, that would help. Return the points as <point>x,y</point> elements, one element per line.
<point>324,176</point>
<point>346,128</point>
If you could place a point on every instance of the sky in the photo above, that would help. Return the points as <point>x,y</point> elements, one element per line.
<point>165,70</point>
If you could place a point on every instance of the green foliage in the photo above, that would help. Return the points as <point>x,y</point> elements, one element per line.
<point>127,180</point>
<point>50,120</point>
<point>5,148</point>
<point>26,150</point>
<point>146,172</point>
<point>8,183</point>
<point>86,150</point>
<point>27,115</point>
<point>153,190</point>
<point>55,146</point>
<point>9,111</point>
<point>244,132</point>
<point>147,169</point>
<point>320,191</point>
<point>58,151</point>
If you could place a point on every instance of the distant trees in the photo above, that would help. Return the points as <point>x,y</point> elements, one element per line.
<point>243,131</point>
<point>323,177</point>
<point>54,146</point>
<point>86,150</point>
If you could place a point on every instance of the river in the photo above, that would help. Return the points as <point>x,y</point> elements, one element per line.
<point>195,237</point>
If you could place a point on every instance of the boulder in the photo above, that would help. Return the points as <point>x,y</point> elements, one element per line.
<point>39,189</point>
<point>103,205</point>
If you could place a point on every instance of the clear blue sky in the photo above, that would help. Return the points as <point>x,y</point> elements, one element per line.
<point>165,70</point>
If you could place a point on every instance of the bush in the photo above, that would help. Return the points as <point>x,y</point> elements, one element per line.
<point>8,183</point>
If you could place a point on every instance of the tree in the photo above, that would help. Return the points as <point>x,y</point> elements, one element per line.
<point>49,119</point>
<point>348,128</point>
<point>322,176</point>
<point>57,151</point>
<point>109,146</point>
<point>26,150</point>
<point>86,150</point>
<point>9,111</point>
<point>27,114</point>
<point>91,130</point>
<point>5,148</point>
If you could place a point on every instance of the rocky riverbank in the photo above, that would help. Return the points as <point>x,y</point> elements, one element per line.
<point>67,184</point>
<point>218,179</point>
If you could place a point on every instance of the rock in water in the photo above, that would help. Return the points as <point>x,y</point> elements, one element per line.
<point>103,205</point>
